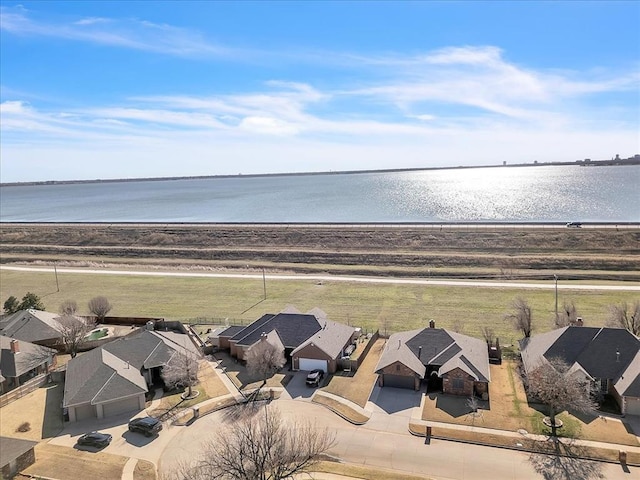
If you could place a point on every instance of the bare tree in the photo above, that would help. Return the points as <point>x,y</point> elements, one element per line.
<point>264,359</point>
<point>567,316</point>
<point>264,447</point>
<point>488,334</point>
<point>74,332</point>
<point>521,317</point>
<point>553,385</point>
<point>100,306</point>
<point>457,325</point>
<point>68,307</point>
<point>625,317</point>
<point>181,371</point>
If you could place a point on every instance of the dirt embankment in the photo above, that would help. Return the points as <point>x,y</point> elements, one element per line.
<point>380,250</point>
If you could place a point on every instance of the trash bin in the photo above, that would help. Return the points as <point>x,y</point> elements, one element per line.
<point>622,455</point>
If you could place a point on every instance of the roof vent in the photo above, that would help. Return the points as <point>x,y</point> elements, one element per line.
<point>617,355</point>
<point>419,352</point>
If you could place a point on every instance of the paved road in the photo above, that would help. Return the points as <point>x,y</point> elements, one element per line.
<point>397,449</point>
<point>326,278</point>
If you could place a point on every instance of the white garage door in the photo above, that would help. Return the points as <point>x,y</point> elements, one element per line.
<point>85,411</point>
<point>312,364</point>
<point>633,406</point>
<point>121,406</point>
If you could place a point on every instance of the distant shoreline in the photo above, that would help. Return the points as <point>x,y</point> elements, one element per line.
<point>584,163</point>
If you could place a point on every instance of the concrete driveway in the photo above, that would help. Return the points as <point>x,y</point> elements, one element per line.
<point>393,408</point>
<point>297,389</point>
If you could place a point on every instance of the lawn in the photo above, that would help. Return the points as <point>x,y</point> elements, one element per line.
<point>358,388</point>
<point>390,307</point>
<point>41,409</point>
<point>509,410</point>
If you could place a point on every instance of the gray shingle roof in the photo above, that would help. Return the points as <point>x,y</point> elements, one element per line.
<point>12,448</point>
<point>602,353</point>
<point>331,338</point>
<point>437,347</point>
<point>31,326</point>
<point>30,356</point>
<point>293,329</point>
<point>99,376</point>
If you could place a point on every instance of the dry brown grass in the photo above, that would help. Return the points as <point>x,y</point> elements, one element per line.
<point>358,388</point>
<point>65,463</point>
<point>509,410</point>
<point>40,408</point>
<point>341,409</point>
<point>361,471</point>
<point>144,471</point>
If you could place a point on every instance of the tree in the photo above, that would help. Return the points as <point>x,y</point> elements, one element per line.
<point>31,301</point>
<point>553,385</point>
<point>11,305</point>
<point>262,448</point>
<point>625,317</point>
<point>74,331</point>
<point>68,307</point>
<point>181,371</point>
<point>521,317</point>
<point>264,359</point>
<point>567,316</point>
<point>488,334</point>
<point>100,306</point>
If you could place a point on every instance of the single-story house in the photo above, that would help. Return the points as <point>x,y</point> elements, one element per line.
<point>35,326</point>
<point>16,454</point>
<point>310,340</point>
<point>608,357</point>
<point>456,363</point>
<point>20,361</point>
<point>114,378</point>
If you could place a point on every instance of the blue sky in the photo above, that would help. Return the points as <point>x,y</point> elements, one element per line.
<point>145,89</point>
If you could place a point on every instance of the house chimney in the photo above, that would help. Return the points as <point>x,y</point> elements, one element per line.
<point>263,336</point>
<point>579,322</point>
<point>150,326</point>
<point>432,324</point>
<point>419,352</point>
<point>15,346</point>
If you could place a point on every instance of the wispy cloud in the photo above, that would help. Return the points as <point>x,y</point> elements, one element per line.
<point>126,33</point>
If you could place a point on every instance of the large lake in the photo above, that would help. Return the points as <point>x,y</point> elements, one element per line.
<point>521,194</point>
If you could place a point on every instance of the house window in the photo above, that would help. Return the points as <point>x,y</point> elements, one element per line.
<point>604,384</point>
<point>458,384</point>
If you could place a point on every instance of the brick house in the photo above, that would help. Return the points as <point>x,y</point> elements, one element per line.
<point>309,340</point>
<point>21,361</point>
<point>15,455</point>
<point>447,361</point>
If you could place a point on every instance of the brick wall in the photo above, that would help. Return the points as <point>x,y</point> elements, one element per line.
<point>448,384</point>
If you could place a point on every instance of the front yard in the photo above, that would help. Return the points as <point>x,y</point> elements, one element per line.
<point>508,409</point>
<point>238,374</point>
<point>38,414</point>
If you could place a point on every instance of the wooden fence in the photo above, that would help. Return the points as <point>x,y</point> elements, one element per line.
<point>24,389</point>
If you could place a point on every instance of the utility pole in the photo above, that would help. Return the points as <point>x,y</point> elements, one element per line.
<point>264,283</point>
<point>55,270</point>
<point>556,279</point>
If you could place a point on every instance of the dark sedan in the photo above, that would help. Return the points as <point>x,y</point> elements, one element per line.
<point>95,439</point>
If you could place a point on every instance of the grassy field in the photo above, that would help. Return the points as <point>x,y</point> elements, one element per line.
<point>371,306</point>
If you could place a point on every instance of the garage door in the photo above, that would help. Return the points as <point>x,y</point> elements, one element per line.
<point>633,405</point>
<point>312,364</point>
<point>121,406</point>
<point>85,411</point>
<point>398,381</point>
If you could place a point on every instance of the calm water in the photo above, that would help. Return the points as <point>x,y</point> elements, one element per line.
<point>539,194</point>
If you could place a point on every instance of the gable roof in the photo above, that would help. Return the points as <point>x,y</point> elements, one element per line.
<point>30,356</point>
<point>99,376</point>
<point>437,347</point>
<point>628,385</point>
<point>601,352</point>
<point>293,329</point>
<point>113,371</point>
<point>331,338</point>
<point>31,326</point>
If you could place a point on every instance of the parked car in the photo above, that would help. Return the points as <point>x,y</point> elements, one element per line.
<point>95,439</point>
<point>147,425</point>
<point>574,225</point>
<point>315,377</point>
